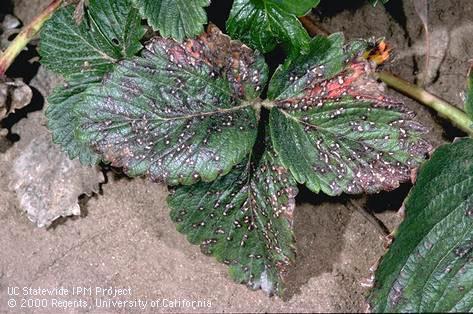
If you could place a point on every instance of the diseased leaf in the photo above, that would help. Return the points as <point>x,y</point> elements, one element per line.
<point>63,120</point>
<point>84,53</point>
<point>334,127</point>
<point>79,11</point>
<point>178,19</point>
<point>244,219</point>
<point>326,51</point>
<point>429,266</point>
<point>110,31</point>
<point>263,24</point>
<point>179,112</point>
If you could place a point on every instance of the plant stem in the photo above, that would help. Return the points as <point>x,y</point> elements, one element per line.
<point>25,36</point>
<point>312,27</point>
<point>443,108</point>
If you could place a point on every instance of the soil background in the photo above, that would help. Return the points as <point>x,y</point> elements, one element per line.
<point>125,238</point>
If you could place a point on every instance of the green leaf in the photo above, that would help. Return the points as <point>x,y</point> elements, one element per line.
<point>178,19</point>
<point>179,112</point>
<point>263,24</point>
<point>298,8</point>
<point>110,31</point>
<point>334,127</point>
<point>244,219</point>
<point>63,121</point>
<point>429,266</point>
<point>469,95</point>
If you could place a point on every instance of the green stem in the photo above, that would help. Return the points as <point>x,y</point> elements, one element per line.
<point>443,108</point>
<point>25,36</point>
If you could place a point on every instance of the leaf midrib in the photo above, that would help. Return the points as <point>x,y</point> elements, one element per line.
<point>336,135</point>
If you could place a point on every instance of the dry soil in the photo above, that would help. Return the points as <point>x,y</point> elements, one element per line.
<point>124,237</point>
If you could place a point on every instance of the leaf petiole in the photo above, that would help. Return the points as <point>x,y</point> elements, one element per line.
<point>443,108</point>
<point>312,27</point>
<point>268,104</point>
<point>25,36</point>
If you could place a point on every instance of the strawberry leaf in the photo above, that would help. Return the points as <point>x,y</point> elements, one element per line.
<point>180,112</point>
<point>178,19</point>
<point>244,219</point>
<point>110,31</point>
<point>428,268</point>
<point>333,126</point>
<point>298,8</point>
<point>63,121</point>
<point>263,24</point>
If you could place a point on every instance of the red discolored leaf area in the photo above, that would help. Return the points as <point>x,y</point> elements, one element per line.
<point>337,131</point>
<point>215,52</point>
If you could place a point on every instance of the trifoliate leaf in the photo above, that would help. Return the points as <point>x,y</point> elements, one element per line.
<point>110,31</point>
<point>263,24</point>
<point>428,268</point>
<point>244,219</point>
<point>178,19</point>
<point>469,95</point>
<point>334,127</point>
<point>180,112</point>
<point>63,121</point>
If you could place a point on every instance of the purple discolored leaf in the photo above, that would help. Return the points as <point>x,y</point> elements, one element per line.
<point>180,112</point>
